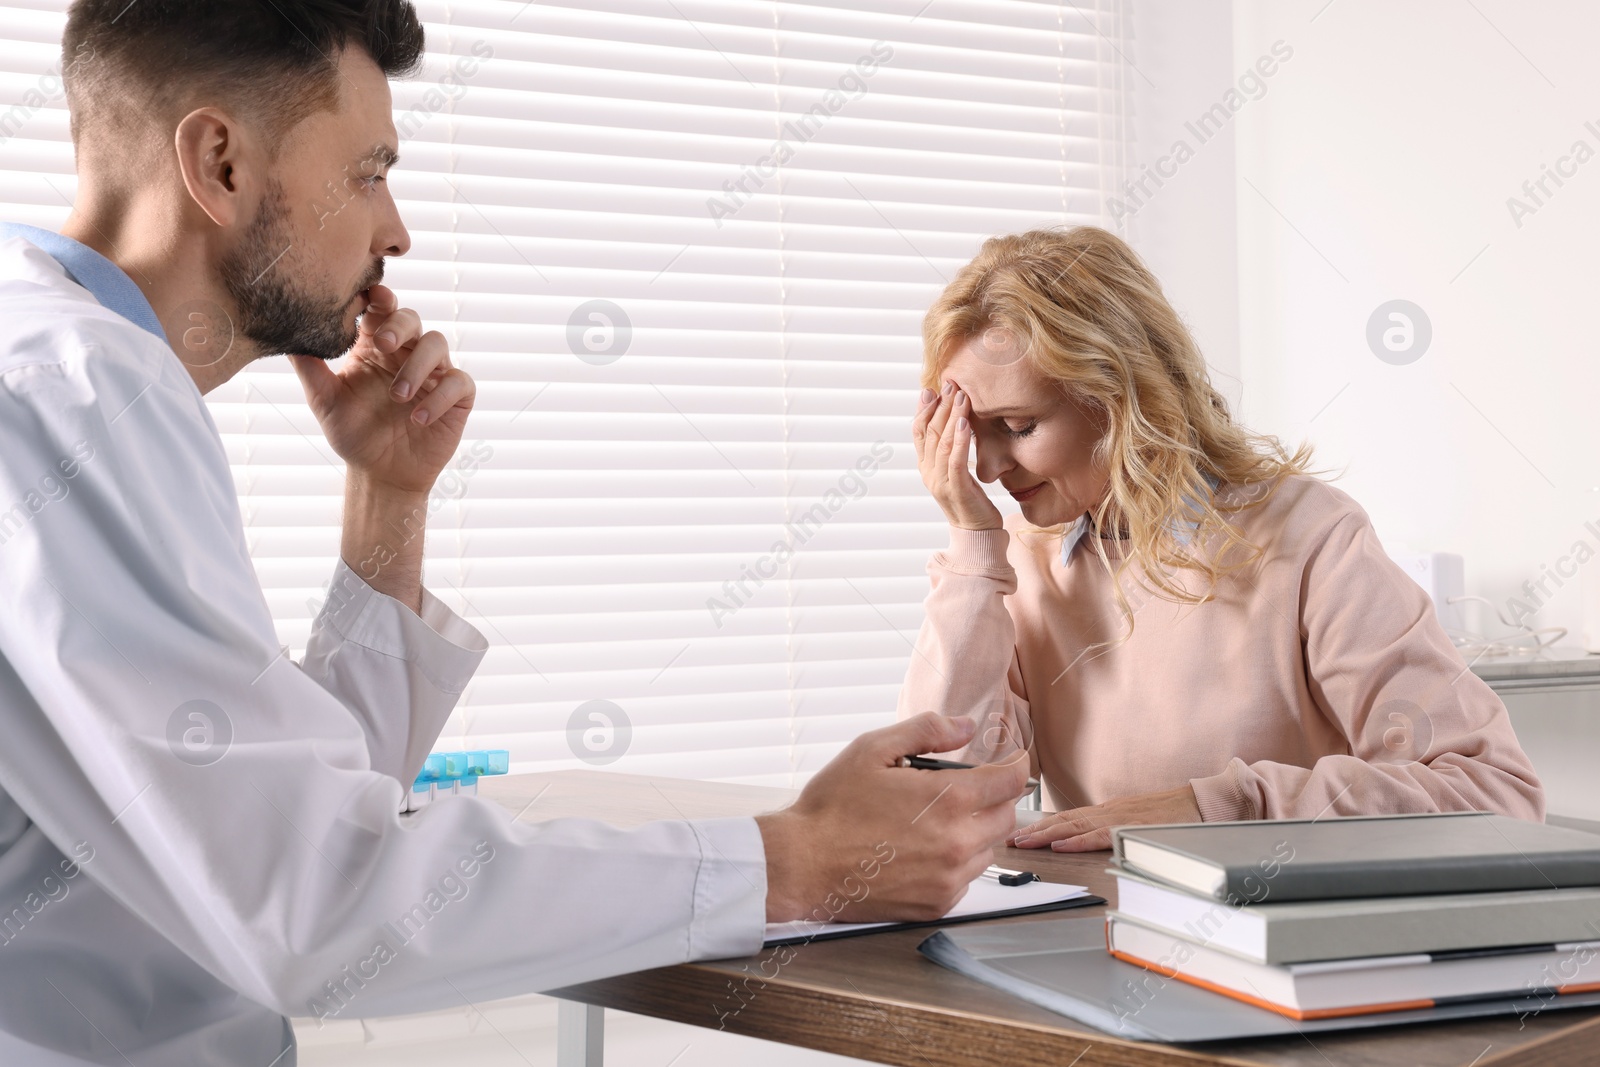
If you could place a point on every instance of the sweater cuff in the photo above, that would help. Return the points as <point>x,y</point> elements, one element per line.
<point>977,551</point>
<point>1221,798</point>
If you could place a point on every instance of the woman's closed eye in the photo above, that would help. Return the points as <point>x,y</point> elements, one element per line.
<point>1024,430</point>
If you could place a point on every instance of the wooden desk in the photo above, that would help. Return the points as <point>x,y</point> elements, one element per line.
<point>875,998</point>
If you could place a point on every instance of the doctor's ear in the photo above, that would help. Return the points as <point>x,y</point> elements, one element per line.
<point>219,170</point>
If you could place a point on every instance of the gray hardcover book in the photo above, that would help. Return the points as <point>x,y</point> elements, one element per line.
<point>1300,931</point>
<point>1376,856</point>
<point>1063,965</point>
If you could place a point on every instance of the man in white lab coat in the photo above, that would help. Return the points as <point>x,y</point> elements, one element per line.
<point>199,836</point>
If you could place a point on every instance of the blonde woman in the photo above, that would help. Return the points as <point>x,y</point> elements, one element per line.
<point>1182,624</point>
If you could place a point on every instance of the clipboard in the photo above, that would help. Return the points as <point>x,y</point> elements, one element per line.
<point>986,899</point>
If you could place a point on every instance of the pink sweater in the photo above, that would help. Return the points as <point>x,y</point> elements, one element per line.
<point>1319,681</point>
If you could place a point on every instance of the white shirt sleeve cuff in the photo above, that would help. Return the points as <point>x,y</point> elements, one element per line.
<point>730,894</point>
<point>440,643</point>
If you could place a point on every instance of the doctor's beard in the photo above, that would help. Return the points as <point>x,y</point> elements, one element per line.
<point>274,313</point>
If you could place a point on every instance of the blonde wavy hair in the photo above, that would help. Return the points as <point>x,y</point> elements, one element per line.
<point>1092,318</point>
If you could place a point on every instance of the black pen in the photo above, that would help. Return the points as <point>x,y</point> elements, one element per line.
<point>928,763</point>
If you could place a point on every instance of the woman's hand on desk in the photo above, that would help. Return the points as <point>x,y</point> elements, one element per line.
<point>1089,829</point>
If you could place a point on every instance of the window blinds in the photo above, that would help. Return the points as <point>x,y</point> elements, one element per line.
<point>684,246</point>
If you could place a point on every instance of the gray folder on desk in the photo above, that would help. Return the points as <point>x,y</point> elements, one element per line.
<point>1062,965</point>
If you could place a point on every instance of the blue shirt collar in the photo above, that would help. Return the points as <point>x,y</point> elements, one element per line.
<point>105,280</point>
<point>1070,539</point>
<point>1075,532</point>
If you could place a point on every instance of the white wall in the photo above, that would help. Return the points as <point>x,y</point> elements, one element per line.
<point>1381,162</point>
<point>1181,218</point>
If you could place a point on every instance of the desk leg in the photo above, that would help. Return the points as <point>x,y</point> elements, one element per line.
<point>580,1035</point>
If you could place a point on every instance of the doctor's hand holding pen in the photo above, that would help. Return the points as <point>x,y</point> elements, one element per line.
<point>394,409</point>
<point>870,840</point>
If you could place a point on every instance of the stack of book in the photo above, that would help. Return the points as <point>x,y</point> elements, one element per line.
<point>1348,916</point>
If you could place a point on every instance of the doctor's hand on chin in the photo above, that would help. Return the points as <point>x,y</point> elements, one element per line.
<point>394,409</point>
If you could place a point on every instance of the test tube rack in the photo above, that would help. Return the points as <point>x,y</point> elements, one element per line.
<point>455,774</point>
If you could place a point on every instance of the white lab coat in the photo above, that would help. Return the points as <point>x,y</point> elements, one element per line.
<point>162,910</point>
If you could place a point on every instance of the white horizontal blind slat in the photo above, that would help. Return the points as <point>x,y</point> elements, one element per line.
<point>720,531</point>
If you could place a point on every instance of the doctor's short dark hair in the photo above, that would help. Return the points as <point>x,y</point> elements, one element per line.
<point>132,68</point>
